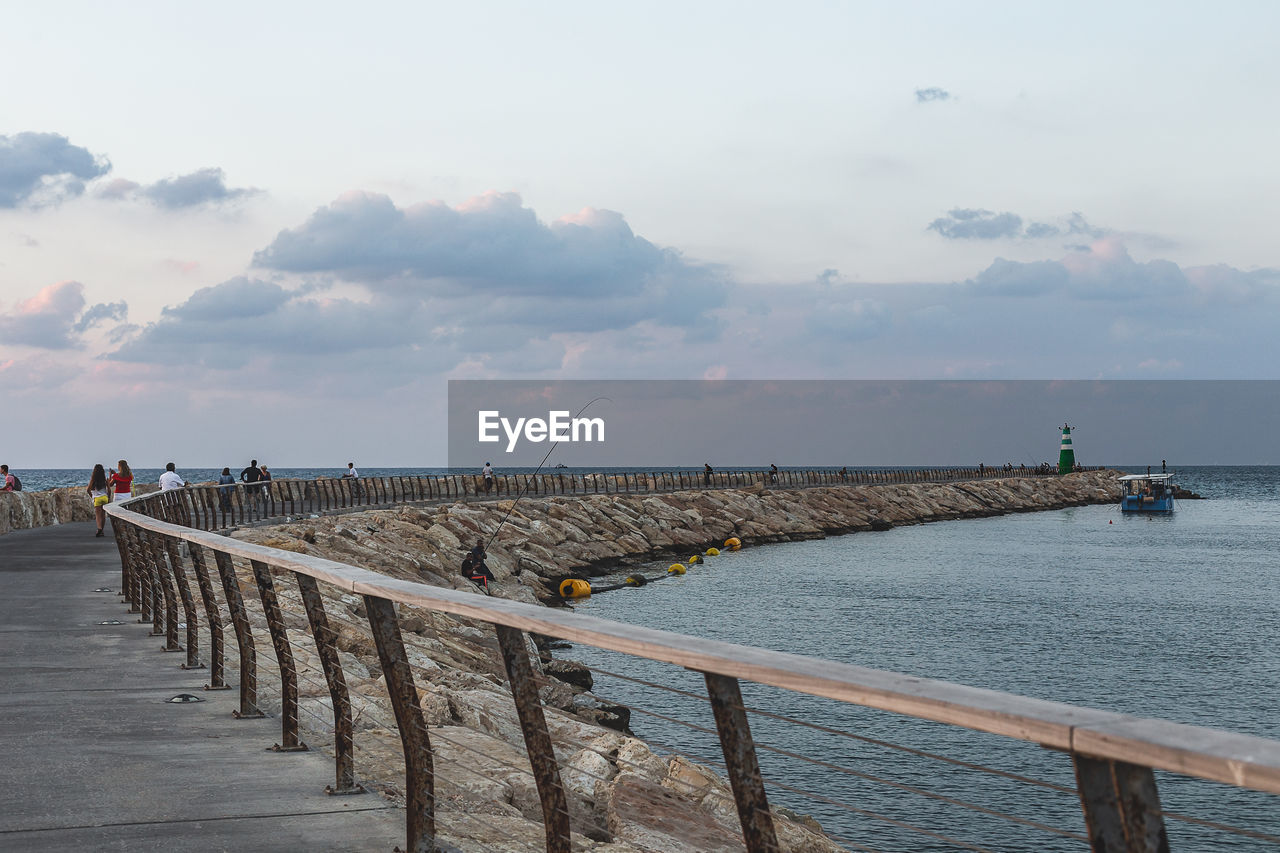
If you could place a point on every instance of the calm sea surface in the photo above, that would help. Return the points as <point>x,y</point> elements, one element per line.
<point>1173,617</point>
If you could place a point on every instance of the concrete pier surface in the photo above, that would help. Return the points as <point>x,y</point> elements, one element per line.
<point>92,757</point>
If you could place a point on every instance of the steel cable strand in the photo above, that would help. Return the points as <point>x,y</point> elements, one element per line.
<point>1222,827</point>
<point>718,765</point>
<point>871,777</point>
<point>1030,780</point>
<point>859,811</point>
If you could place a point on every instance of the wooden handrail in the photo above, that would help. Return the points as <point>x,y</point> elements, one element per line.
<point>1235,759</point>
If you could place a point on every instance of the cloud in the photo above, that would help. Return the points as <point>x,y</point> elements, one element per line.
<point>100,313</point>
<point>367,289</point>
<point>1012,278</point>
<point>229,323</point>
<point>56,317</point>
<point>1102,270</point>
<point>203,186</point>
<point>933,93</point>
<point>44,168</point>
<point>1074,225</point>
<point>584,269</point>
<point>977,224</point>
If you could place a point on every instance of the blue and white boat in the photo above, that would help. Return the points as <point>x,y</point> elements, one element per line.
<point>1147,493</point>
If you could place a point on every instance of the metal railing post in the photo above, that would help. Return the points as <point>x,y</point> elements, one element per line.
<point>118,536</point>
<point>542,757</point>
<point>419,772</point>
<point>142,571</point>
<point>162,578</point>
<point>133,569</point>
<point>740,762</point>
<point>173,548</point>
<point>244,639</point>
<point>213,616</point>
<point>289,741</point>
<point>1121,806</point>
<point>327,647</point>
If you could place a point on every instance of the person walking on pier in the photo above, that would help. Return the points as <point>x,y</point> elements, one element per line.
<point>487,473</point>
<point>99,494</point>
<point>121,481</point>
<point>225,481</point>
<point>251,475</point>
<point>706,473</point>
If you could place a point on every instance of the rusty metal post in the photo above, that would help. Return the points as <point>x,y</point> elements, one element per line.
<point>165,583</point>
<point>327,647</point>
<point>419,774</point>
<point>555,808</point>
<point>213,616</point>
<point>171,643</point>
<point>124,558</point>
<point>174,550</point>
<point>133,591</point>
<point>740,761</point>
<point>1121,806</point>
<point>244,639</point>
<point>155,602</point>
<point>143,574</point>
<point>289,741</point>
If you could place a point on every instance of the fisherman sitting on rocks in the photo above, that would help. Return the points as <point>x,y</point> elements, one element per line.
<point>474,568</point>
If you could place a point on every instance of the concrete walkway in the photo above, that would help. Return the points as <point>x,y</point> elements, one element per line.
<point>93,758</point>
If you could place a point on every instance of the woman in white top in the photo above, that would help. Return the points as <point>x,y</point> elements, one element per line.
<point>98,493</point>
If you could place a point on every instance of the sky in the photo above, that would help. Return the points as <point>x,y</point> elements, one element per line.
<point>277,230</point>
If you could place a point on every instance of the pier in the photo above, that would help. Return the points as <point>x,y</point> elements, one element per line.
<point>173,576</point>
<point>97,756</point>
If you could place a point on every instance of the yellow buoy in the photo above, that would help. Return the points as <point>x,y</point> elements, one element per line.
<point>695,559</point>
<point>676,569</point>
<point>733,543</point>
<point>574,588</point>
<point>713,552</point>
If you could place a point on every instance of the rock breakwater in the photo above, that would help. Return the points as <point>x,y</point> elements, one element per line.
<point>622,795</point>
<point>25,510</point>
<point>546,539</point>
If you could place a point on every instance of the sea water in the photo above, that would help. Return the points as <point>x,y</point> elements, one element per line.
<point>1175,617</point>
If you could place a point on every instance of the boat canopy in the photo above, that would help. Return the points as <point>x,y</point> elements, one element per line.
<point>1161,478</point>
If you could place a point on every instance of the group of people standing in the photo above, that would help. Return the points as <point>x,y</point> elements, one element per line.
<point>106,485</point>
<point>256,477</point>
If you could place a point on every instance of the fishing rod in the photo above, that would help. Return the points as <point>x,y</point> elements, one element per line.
<point>535,474</point>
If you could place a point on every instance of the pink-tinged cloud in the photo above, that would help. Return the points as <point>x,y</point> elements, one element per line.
<point>55,318</point>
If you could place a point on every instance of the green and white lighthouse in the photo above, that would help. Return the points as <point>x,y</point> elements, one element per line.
<point>1066,456</point>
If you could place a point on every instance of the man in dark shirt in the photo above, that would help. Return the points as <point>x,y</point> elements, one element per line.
<point>252,474</point>
<point>474,568</point>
